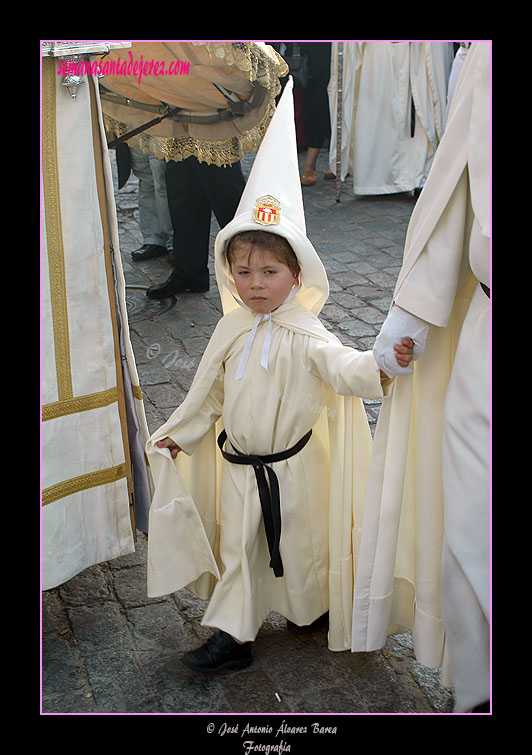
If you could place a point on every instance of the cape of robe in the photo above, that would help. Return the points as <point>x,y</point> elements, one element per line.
<point>206,528</point>
<point>419,509</point>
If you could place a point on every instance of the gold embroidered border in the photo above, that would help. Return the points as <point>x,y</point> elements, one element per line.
<point>79,404</point>
<point>83,482</point>
<point>54,234</point>
<point>85,403</point>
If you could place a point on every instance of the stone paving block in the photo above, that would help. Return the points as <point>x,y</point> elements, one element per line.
<point>181,690</point>
<point>157,626</point>
<point>118,684</point>
<point>100,626</point>
<point>253,691</point>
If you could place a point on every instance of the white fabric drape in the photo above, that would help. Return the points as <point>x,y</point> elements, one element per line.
<point>385,147</point>
<point>87,459</point>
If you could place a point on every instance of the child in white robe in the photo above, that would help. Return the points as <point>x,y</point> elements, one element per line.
<point>272,384</point>
<point>260,475</point>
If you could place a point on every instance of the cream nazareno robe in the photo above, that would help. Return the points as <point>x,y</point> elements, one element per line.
<point>206,515</point>
<point>428,491</point>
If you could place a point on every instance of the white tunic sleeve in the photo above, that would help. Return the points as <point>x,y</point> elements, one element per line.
<point>189,431</point>
<point>429,289</point>
<point>347,371</point>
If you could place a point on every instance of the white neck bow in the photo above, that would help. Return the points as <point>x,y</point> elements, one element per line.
<point>265,355</point>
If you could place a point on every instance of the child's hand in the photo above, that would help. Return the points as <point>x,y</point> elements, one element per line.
<point>169,443</point>
<point>404,352</point>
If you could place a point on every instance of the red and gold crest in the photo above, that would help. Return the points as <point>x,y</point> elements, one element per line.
<point>267,210</point>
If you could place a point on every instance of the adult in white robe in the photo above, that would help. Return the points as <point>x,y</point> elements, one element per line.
<point>425,555</point>
<point>394,98</point>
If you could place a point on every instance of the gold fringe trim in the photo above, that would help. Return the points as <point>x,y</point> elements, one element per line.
<point>220,153</point>
<point>83,482</point>
<point>248,56</point>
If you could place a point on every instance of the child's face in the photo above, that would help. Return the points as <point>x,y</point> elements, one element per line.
<point>262,282</point>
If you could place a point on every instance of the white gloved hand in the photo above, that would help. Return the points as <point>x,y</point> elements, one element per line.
<point>399,324</point>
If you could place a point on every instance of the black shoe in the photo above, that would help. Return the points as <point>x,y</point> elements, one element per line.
<point>309,628</point>
<point>219,652</point>
<point>173,286</point>
<point>148,252</point>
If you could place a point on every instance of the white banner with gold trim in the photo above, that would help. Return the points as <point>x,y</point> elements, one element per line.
<point>93,428</point>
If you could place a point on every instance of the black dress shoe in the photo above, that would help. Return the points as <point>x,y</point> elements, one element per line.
<point>220,651</point>
<point>148,252</point>
<point>309,628</point>
<point>174,285</point>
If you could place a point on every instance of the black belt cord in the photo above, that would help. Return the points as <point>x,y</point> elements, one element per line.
<point>270,499</point>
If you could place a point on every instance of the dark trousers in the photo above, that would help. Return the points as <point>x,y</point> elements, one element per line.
<point>316,118</point>
<point>195,190</point>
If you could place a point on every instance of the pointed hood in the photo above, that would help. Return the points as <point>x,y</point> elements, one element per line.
<point>272,201</point>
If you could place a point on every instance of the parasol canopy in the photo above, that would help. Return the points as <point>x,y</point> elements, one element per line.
<point>215,99</point>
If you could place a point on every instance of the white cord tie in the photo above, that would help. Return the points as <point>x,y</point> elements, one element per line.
<point>265,355</point>
<point>249,343</point>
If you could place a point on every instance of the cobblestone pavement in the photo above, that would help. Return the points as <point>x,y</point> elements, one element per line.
<point>107,648</point>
